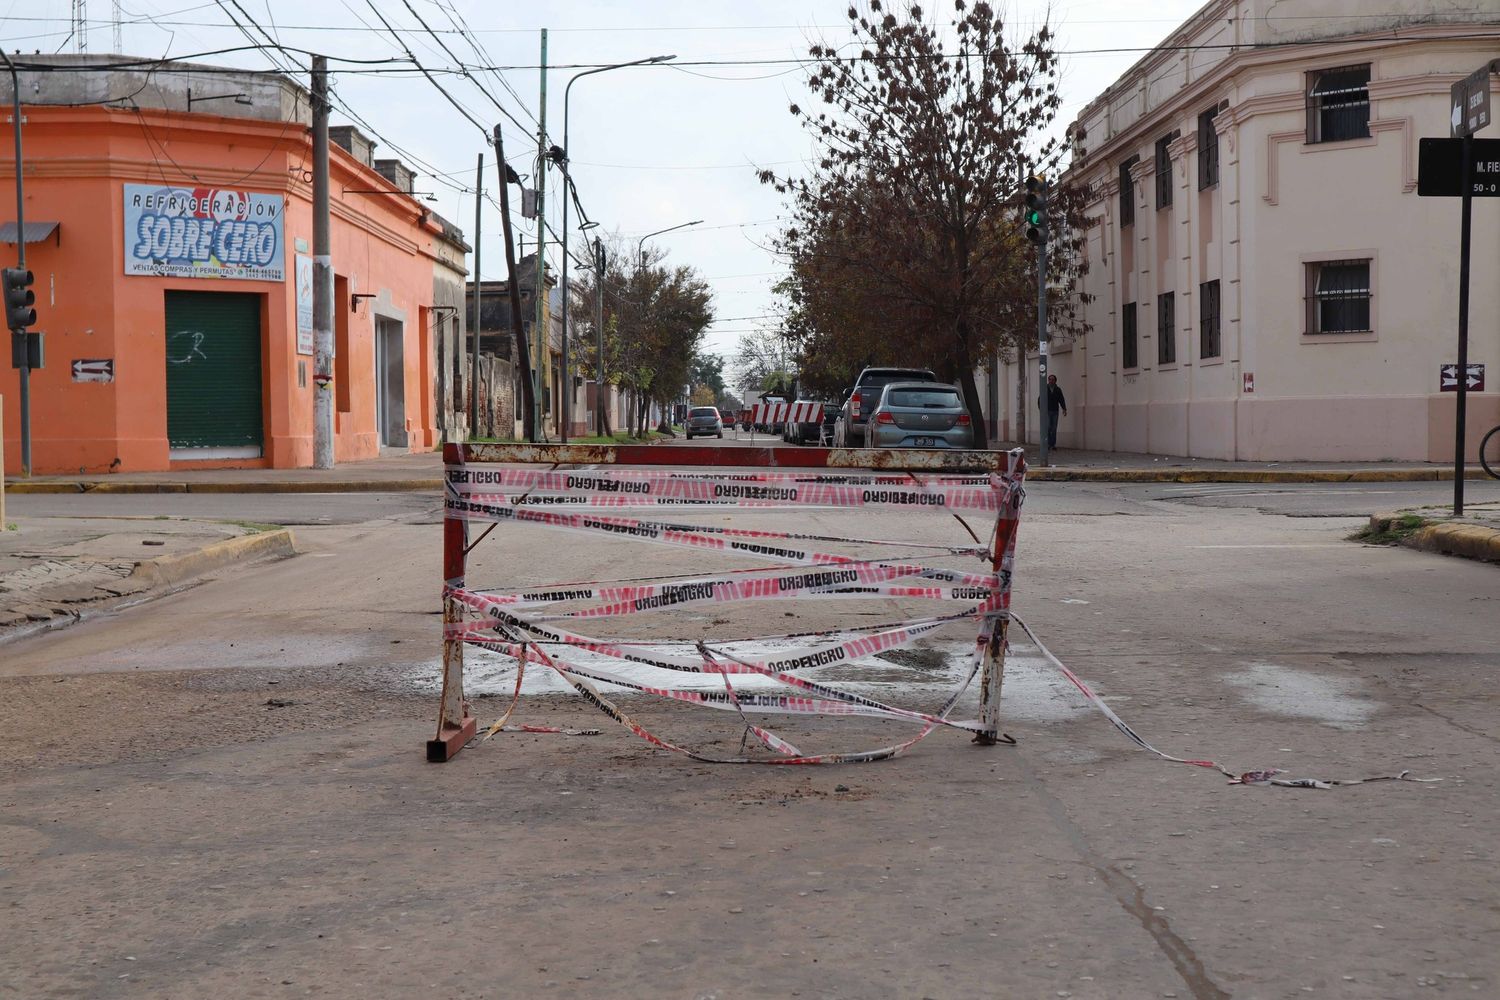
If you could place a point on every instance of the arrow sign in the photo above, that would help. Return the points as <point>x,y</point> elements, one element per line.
<point>93,369</point>
<point>1448,378</point>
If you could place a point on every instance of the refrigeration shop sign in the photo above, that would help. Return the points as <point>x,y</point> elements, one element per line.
<point>183,232</point>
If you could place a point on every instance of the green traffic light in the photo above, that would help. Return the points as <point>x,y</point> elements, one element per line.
<point>1034,218</point>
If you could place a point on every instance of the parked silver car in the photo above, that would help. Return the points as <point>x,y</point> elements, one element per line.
<point>704,420</point>
<point>919,415</point>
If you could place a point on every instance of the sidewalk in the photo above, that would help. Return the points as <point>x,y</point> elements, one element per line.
<point>423,471</point>
<point>53,569</point>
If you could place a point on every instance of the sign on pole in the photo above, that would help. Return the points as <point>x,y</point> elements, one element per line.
<point>1470,105</point>
<point>1448,378</point>
<point>1440,168</point>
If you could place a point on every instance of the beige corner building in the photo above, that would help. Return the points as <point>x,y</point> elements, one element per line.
<point>1268,285</point>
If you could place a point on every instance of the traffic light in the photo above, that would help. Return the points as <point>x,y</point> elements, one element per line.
<point>1036,210</point>
<point>19,298</point>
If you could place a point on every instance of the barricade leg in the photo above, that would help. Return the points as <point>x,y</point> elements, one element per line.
<point>455,725</point>
<point>990,681</point>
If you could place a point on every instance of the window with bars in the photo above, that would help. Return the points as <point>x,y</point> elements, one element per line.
<point>1208,149</point>
<point>1338,296</point>
<point>1338,104</point>
<point>1208,319</point>
<point>1128,340</point>
<point>1127,192</point>
<point>1164,170</point>
<point>1166,329</point>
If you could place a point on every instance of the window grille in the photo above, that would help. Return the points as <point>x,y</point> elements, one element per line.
<point>1208,150</point>
<point>1127,192</point>
<point>1129,357</point>
<point>1208,319</point>
<point>1338,104</point>
<point>1338,296</point>
<point>1164,170</point>
<point>1166,329</point>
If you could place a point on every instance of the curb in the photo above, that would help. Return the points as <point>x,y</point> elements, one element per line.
<point>1064,475</point>
<point>165,571</point>
<point>281,486</point>
<point>1449,538</point>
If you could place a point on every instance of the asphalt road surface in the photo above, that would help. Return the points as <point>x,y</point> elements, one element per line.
<point>221,792</point>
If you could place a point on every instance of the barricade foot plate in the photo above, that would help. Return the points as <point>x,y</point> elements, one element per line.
<point>450,740</point>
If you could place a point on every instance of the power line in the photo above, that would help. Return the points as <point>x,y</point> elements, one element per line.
<point>483,129</point>
<point>452,55</point>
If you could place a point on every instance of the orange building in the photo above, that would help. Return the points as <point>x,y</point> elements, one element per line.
<point>169,225</point>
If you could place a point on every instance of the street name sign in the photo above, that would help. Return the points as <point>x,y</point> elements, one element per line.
<point>1448,378</point>
<point>1440,168</point>
<point>1469,108</point>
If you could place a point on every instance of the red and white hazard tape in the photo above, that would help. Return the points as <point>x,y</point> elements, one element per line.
<point>524,495</point>
<point>1263,777</point>
<point>615,488</point>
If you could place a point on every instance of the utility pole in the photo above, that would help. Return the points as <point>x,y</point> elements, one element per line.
<point>523,353</point>
<point>322,275</point>
<point>599,396</point>
<point>478,239</point>
<point>1461,416</point>
<point>1037,192</point>
<point>18,297</point>
<point>539,291</point>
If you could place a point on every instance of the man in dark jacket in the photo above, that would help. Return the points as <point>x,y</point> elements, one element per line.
<point>1055,402</point>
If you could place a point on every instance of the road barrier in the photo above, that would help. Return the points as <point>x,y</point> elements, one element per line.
<point>638,494</point>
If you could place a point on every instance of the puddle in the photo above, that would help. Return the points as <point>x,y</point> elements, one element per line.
<point>1301,694</point>
<point>918,677</point>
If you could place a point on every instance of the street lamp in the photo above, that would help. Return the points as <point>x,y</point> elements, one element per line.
<point>562,161</point>
<point>640,251</point>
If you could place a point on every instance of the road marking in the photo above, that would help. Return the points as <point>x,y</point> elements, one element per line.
<point>1302,545</point>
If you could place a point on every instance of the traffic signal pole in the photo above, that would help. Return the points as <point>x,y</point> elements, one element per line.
<point>1041,340</point>
<point>20,335</point>
<point>1037,225</point>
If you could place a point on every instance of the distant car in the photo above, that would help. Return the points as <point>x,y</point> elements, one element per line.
<point>704,420</point>
<point>747,417</point>
<point>850,432</point>
<point>920,415</point>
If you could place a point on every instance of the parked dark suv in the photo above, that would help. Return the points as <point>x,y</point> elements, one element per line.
<point>850,432</point>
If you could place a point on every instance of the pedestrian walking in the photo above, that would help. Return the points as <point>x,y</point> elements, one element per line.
<point>1055,402</point>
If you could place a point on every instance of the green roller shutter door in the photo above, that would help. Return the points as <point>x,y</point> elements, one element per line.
<point>213,371</point>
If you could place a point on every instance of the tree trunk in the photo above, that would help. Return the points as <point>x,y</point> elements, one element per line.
<point>976,414</point>
<point>601,400</point>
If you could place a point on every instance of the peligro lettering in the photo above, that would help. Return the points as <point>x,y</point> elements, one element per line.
<point>608,485</point>
<point>767,550</point>
<point>812,660</point>
<point>677,595</point>
<point>827,579</point>
<point>638,530</point>
<point>755,492</point>
<point>904,497</point>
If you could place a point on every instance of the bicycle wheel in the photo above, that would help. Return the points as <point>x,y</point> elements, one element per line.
<point>1489,452</point>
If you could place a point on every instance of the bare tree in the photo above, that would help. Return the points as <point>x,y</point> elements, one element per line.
<point>906,244</point>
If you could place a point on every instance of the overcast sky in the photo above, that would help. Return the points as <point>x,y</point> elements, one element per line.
<point>651,146</point>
